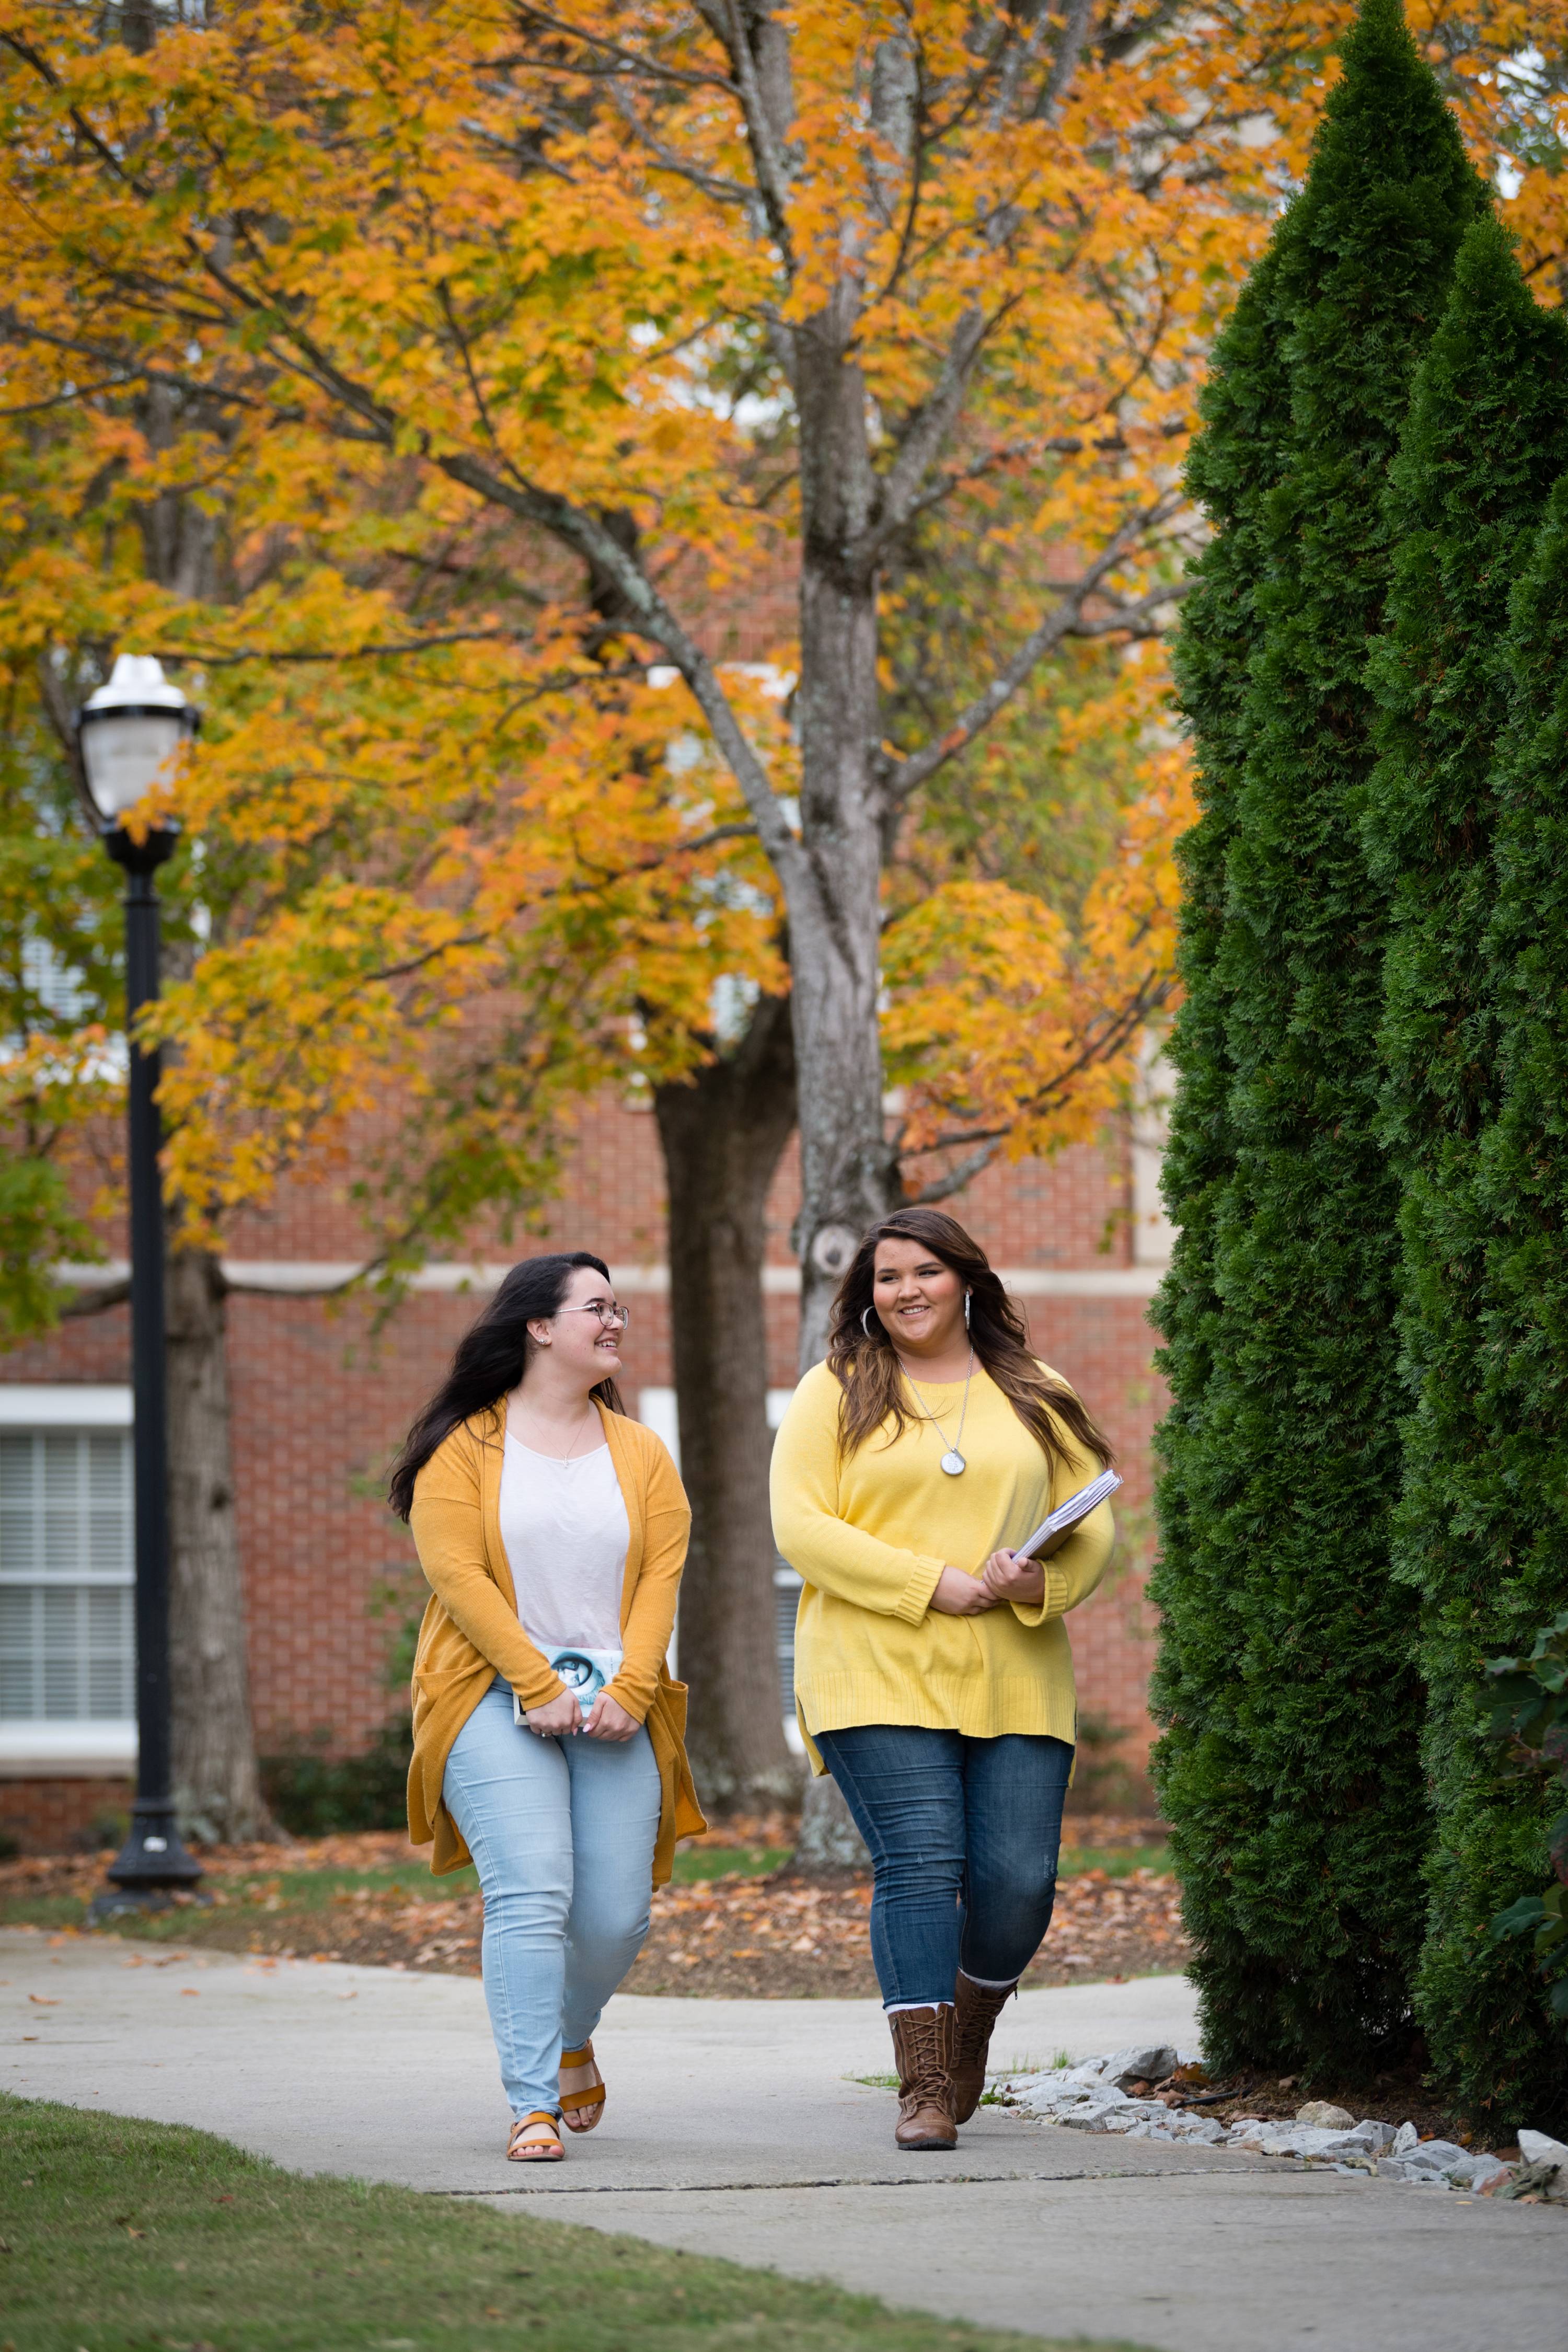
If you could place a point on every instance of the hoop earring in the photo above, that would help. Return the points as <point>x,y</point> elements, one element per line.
<point>865,1326</point>
<point>967,1297</point>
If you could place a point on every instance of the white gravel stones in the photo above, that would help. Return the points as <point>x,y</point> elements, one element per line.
<point>1433,2159</point>
<point>1091,2096</point>
<point>1150,2062</point>
<point>1363,2139</point>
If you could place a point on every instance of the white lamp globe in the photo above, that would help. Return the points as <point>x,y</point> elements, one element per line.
<point>130,732</point>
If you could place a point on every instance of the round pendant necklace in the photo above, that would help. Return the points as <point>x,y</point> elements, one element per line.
<point>952,1460</point>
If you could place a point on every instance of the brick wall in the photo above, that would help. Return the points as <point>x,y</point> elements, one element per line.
<point>61,1816</point>
<point>322,1397</point>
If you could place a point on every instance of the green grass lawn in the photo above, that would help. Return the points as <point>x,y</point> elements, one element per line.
<point>1116,1861</point>
<point>118,2236</point>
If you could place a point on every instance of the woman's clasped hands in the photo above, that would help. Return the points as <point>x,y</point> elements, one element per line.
<point>1004,1578</point>
<point>562,1716</point>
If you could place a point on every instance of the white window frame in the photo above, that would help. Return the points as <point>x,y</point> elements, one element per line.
<point>38,1749</point>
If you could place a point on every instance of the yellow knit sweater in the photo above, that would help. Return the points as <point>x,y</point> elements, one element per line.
<point>871,1536</point>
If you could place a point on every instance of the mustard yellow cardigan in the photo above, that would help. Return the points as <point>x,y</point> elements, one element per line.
<point>870,1535</point>
<point>471,1631</point>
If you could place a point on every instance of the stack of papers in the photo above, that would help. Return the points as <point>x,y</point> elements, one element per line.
<point>1052,1533</point>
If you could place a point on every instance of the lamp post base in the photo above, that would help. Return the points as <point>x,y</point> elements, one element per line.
<point>152,1867</point>
<point>121,1902</point>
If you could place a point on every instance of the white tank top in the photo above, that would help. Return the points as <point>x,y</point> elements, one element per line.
<point>566,1530</point>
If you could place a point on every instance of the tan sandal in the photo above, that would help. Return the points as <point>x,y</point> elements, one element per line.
<point>587,2104</point>
<point>534,2151</point>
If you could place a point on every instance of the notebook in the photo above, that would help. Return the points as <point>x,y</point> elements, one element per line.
<point>1053,1532</point>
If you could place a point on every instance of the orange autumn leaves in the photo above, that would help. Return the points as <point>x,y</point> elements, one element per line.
<point>516,910</point>
<point>1006,1021</point>
<point>364,289</point>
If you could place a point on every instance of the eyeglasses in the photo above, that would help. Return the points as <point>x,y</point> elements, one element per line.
<point>611,1317</point>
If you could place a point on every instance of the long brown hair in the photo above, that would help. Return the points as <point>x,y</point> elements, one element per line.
<point>861,1358</point>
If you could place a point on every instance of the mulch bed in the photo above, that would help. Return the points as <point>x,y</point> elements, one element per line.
<point>1398,2097</point>
<point>784,1937</point>
<point>789,1937</point>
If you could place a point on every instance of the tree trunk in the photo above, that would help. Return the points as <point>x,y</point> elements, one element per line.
<point>216,1785</point>
<point>848,1170</point>
<point>722,1135</point>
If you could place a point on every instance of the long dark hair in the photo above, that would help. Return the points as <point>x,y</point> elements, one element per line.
<point>862,1355</point>
<point>491,1358</point>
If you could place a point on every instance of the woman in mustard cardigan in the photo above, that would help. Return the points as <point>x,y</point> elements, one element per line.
<point>933,1676</point>
<point>548,1736</point>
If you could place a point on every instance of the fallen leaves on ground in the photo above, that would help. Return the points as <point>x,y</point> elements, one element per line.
<point>783,1937</point>
<point>790,1936</point>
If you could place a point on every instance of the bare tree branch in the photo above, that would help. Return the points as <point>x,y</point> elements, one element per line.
<point>1050,444</point>
<point>1066,619</point>
<point>210,659</point>
<point>943,1187</point>
<point>773,176</point>
<point>652,618</point>
<point>97,1300</point>
<point>723,192</point>
<point>636,61</point>
<point>1107,1038</point>
<point>929,431</point>
<point>1065,64</point>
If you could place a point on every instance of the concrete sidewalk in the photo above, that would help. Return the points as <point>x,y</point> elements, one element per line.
<point>736,2128</point>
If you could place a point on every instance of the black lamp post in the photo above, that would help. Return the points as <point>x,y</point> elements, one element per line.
<point>130,732</point>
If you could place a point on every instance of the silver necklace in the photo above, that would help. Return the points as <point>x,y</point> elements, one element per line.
<point>565,1460</point>
<point>952,1460</point>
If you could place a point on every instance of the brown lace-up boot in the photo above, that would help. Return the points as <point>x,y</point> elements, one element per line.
<point>975,2011</point>
<point>924,2046</point>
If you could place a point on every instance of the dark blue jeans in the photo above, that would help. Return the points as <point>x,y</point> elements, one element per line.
<point>964,1835</point>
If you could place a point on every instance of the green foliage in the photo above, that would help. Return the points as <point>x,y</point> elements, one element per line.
<point>1487,437</point>
<point>312,1794</point>
<point>1531,1711</point>
<point>1103,1781</point>
<point>1235,464</point>
<point>39,1227</point>
<point>1484,2003</point>
<point>1040,799</point>
<point>60,986</point>
<point>1289,1768</point>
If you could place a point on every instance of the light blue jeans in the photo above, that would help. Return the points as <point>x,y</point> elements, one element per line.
<point>562,1833</point>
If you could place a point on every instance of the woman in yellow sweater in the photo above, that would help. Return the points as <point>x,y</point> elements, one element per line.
<point>547,1732</point>
<point>933,1676</point>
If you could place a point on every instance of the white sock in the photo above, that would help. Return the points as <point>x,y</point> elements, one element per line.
<point>992,1984</point>
<point>896,2008</point>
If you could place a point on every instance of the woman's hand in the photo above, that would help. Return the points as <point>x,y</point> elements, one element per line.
<point>1009,1579</point>
<point>609,1720</point>
<point>559,1719</point>
<point>958,1595</point>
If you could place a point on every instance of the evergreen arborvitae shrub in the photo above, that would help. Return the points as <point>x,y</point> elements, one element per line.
<point>1234,465</point>
<point>1486,438</point>
<point>1290,1766</point>
<point>1484,2005</point>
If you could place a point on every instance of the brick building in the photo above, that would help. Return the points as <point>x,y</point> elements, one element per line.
<point>322,1397</point>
